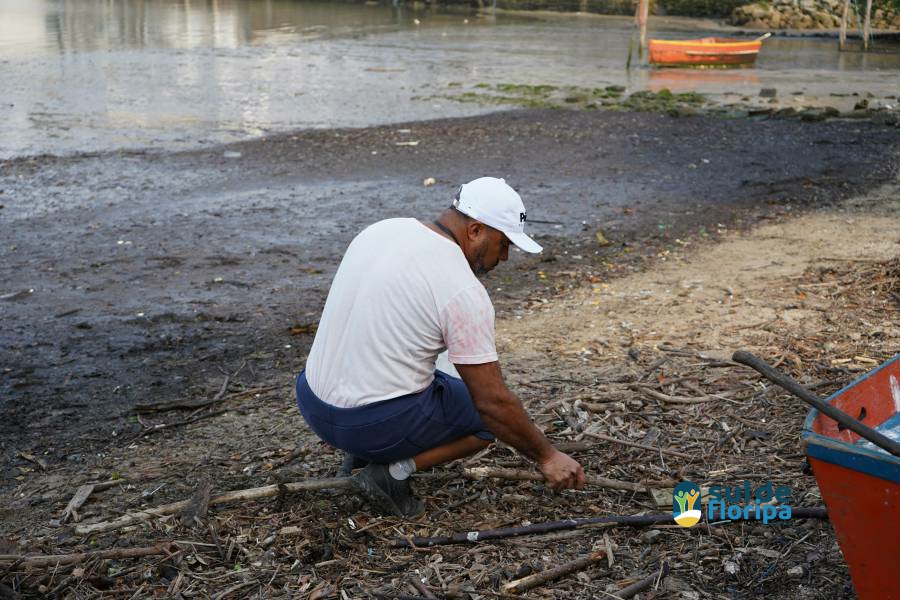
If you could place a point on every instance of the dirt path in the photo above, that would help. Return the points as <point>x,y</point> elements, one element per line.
<point>732,294</point>
<point>816,293</point>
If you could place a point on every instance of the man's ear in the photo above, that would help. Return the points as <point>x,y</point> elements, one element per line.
<point>474,230</point>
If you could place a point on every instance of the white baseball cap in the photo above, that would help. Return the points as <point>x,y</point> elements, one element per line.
<point>494,203</point>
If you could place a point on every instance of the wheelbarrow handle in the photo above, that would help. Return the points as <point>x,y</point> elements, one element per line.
<point>779,378</point>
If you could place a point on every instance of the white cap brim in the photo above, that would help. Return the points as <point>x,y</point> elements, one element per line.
<point>523,242</point>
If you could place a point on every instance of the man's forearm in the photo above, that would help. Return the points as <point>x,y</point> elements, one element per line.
<point>502,411</point>
<point>506,418</point>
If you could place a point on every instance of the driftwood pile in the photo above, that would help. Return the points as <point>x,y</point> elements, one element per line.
<point>165,524</point>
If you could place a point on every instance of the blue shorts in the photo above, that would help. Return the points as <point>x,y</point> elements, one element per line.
<point>399,428</point>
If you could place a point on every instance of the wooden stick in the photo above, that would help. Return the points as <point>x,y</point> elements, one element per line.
<point>607,438</point>
<point>636,588</point>
<point>420,587</point>
<point>166,426</point>
<point>463,537</point>
<point>521,475</point>
<point>470,537</point>
<point>34,459</point>
<point>267,491</point>
<point>194,404</point>
<point>533,581</point>
<point>842,39</point>
<point>643,13</point>
<point>568,447</point>
<point>81,495</point>
<point>52,560</point>
<point>111,483</point>
<point>198,504</point>
<point>294,455</point>
<point>670,399</point>
<point>397,596</point>
<point>867,25</point>
<point>794,387</point>
<point>84,492</point>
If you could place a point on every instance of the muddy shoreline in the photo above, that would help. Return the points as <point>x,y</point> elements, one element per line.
<point>156,274</point>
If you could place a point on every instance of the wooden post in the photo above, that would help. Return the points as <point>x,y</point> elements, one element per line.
<point>843,37</point>
<point>867,25</point>
<point>642,14</point>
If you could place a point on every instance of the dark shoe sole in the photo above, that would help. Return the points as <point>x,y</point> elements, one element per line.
<point>382,501</point>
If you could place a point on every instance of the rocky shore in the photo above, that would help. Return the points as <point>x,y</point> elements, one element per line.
<point>808,14</point>
<point>765,14</point>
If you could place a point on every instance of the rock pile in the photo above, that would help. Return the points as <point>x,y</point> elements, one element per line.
<point>808,14</point>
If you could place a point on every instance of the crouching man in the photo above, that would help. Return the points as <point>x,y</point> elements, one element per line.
<point>405,291</point>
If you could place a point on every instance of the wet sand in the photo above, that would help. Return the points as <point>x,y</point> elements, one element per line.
<point>154,275</point>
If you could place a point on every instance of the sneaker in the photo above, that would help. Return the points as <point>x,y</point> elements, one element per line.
<point>350,462</point>
<point>386,494</point>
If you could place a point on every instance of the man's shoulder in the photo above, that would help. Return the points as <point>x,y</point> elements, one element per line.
<point>384,235</point>
<point>393,224</point>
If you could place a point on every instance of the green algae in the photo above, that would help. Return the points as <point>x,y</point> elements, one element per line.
<point>610,97</point>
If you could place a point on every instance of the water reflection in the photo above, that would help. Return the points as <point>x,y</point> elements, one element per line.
<point>84,75</point>
<point>689,80</point>
<point>822,53</point>
<point>90,25</point>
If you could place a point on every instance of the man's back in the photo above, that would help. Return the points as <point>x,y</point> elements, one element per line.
<point>400,296</point>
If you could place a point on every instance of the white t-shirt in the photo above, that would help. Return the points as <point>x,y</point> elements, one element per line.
<point>402,294</point>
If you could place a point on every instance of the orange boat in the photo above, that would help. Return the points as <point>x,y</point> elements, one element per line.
<point>709,51</point>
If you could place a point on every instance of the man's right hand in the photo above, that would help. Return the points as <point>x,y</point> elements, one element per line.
<point>562,471</point>
<point>504,416</point>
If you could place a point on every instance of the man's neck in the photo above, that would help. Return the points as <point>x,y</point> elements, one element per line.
<point>447,233</point>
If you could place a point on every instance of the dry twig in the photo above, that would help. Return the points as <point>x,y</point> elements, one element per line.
<point>533,581</point>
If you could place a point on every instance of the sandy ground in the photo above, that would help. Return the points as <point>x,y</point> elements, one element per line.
<point>721,297</point>
<point>813,293</point>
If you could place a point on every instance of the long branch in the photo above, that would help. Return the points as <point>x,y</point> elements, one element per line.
<point>50,560</point>
<point>607,438</point>
<point>267,491</point>
<point>521,475</point>
<point>468,537</point>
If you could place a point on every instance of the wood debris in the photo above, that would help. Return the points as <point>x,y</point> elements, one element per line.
<point>277,535</point>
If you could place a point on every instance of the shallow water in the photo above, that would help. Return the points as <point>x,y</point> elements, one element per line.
<point>90,75</point>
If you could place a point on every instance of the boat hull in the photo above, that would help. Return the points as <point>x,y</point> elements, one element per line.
<point>703,52</point>
<point>860,484</point>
